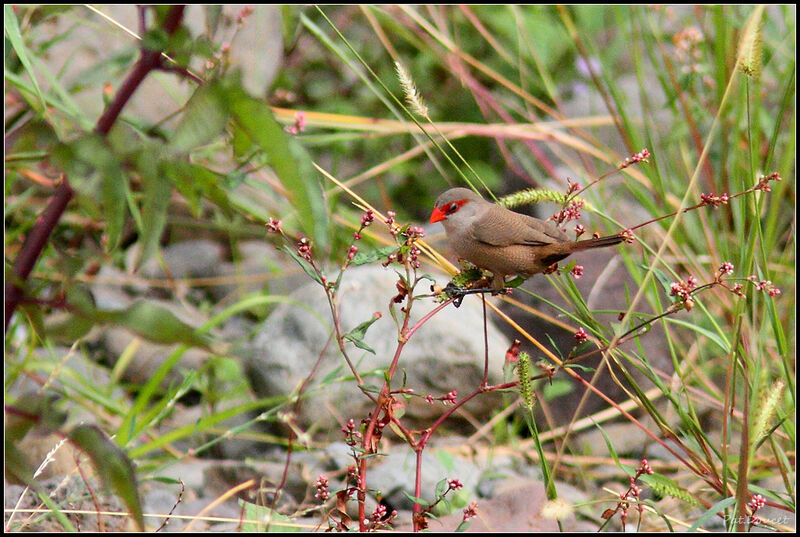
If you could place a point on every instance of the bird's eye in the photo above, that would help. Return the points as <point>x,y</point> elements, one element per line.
<point>452,208</point>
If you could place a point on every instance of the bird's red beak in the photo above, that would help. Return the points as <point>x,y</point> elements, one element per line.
<point>437,215</point>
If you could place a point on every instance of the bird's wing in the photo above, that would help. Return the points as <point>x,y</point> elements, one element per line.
<point>499,228</point>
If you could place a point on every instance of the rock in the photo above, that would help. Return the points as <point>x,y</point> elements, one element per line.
<point>257,51</point>
<point>260,268</point>
<point>394,475</point>
<point>149,356</point>
<point>446,353</point>
<point>193,258</point>
<point>517,506</point>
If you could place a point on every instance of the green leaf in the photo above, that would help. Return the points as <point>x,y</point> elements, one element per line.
<point>204,118</point>
<point>147,319</point>
<point>716,338</point>
<point>580,367</point>
<point>155,323</point>
<point>712,512</point>
<point>32,409</point>
<point>113,466</point>
<point>290,162</point>
<point>18,469</point>
<point>155,40</point>
<point>157,189</point>
<point>667,487</point>
<point>266,516</point>
<point>464,526</point>
<point>415,499</point>
<point>94,153</point>
<point>303,264</point>
<point>195,182</point>
<point>362,258</point>
<point>14,37</point>
<point>356,335</point>
<point>613,452</point>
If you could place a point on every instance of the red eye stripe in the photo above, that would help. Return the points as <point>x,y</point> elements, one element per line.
<point>456,205</point>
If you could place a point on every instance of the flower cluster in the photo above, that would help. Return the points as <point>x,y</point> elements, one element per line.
<point>352,251</point>
<point>764,285</point>
<point>628,236</point>
<point>756,502</point>
<point>415,232</point>
<point>390,215</point>
<point>714,200</point>
<point>726,268</point>
<point>378,514</point>
<point>322,488</point>
<point>572,187</point>
<point>454,484</point>
<point>581,336</point>
<point>571,212</point>
<point>641,156</point>
<point>645,468</point>
<point>299,124</point>
<point>351,436</point>
<point>448,398</point>
<point>367,218</point>
<point>579,230</point>
<point>687,49</point>
<point>631,495</point>
<point>304,248</point>
<point>683,290</point>
<point>413,255</point>
<point>763,183</point>
<point>577,272</point>
<point>471,511</point>
<point>353,476</point>
<point>274,226</point>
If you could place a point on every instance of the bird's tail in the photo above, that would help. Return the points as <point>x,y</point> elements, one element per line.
<point>560,250</point>
<point>599,242</point>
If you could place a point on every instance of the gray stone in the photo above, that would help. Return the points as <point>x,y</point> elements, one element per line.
<point>193,258</point>
<point>95,39</point>
<point>149,356</point>
<point>394,475</point>
<point>260,268</point>
<point>517,506</point>
<point>446,353</point>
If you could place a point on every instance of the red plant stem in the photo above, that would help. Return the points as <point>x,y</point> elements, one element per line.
<point>408,333</point>
<point>33,246</point>
<point>385,399</point>
<point>149,60</point>
<point>485,381</point>
<point>37,238</point>
<point>417,490</point>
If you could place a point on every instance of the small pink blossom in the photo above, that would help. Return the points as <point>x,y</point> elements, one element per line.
<point>641,156</point>
<point>471,511</point>
<point>367,218</point>
<point>581,336</point>
<point>274,226</point>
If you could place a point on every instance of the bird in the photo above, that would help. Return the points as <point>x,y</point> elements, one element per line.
<point>502,241</point>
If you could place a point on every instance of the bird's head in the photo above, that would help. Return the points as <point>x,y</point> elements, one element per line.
<point>453,203</point>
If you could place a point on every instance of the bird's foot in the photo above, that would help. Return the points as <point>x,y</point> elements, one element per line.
<point>458,293</point>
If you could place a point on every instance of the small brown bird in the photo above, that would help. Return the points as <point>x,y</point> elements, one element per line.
<point>501,241</point>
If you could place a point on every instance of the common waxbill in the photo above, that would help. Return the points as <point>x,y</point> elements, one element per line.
<point>501,241</point>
